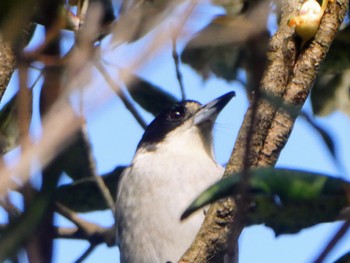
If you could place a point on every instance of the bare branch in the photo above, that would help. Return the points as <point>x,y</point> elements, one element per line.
<point>104,235</point>
<point>98,179</point>
<point>127,103</point>
<point>86,253</point>
<point>10,208</point>
<point>331,244</point>
<point>94,233</point>
<point>177,68</point>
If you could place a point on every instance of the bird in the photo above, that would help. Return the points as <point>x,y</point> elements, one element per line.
<point>173,163</point>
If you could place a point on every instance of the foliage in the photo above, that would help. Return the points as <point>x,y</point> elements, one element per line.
<point>285,200</point>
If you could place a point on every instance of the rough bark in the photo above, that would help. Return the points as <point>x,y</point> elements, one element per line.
<point>284,88</point>
<point>7,65</point>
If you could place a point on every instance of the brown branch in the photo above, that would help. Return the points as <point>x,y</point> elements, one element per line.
<point>115,87</point>
<point>10,208</point>
<point>86,254</point>
<point>101,235</point>
<point>106,194</point>
<point>331,244</point>
<point>177,68</point>
<point>40,245</point>
<point>91,232</point>
<point>7,65</point>
<point>104,235</point>
<point>288,79</point>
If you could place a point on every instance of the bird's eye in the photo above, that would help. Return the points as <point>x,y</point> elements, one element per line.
<point>176,113</point>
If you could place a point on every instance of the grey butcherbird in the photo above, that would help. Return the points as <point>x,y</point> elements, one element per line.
<point>173,164</point>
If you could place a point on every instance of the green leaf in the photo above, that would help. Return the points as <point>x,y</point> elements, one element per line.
<point>150,97</point>
<point>285,200</point>
<point>84,196</point>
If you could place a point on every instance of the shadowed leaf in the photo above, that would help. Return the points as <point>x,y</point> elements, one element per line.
<point>8,126</point>
<point>285,200</point>
<point>327,139</point>
<point>332,87</point>
<point>150,97</point>
<point>231,42</point>
<point>84,196</point>
<point>75,159</point>
<point>208,57</point>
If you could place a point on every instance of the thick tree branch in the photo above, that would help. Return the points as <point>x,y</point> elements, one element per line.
<point>285,85</point>
<point>7,65</point>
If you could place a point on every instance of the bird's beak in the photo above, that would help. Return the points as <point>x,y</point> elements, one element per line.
<point>211,110</point>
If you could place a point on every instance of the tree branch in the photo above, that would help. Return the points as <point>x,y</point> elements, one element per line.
<point>7,65</point>
<point>86,254</point>
<point>335,239</point>
<point>286,84</point>
<point>103,235</point>
<point>95,234</point>
<point>115,87</point>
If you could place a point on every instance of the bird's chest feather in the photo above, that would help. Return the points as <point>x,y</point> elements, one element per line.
<point>149,211</point>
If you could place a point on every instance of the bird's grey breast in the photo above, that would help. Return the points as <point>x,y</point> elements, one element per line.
<point>150,210</point>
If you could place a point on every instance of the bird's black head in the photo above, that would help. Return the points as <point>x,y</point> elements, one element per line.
<point>167,121</point>
<point>188,113</point>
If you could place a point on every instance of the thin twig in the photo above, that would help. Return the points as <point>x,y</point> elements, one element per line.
<point>72,216</point>
<point>157,43</point>
<point>333,242</point>
<point>177,68</point>
<point>98,179</point>
<point>94,233</point>
<point>13,212</point>
<point>37,79</point>
<point>121,95</point>
<point>103,235</point>
<point>51,35</point>
<point>24,103</point>
<point>10,208</point>
<point>86,253</point>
